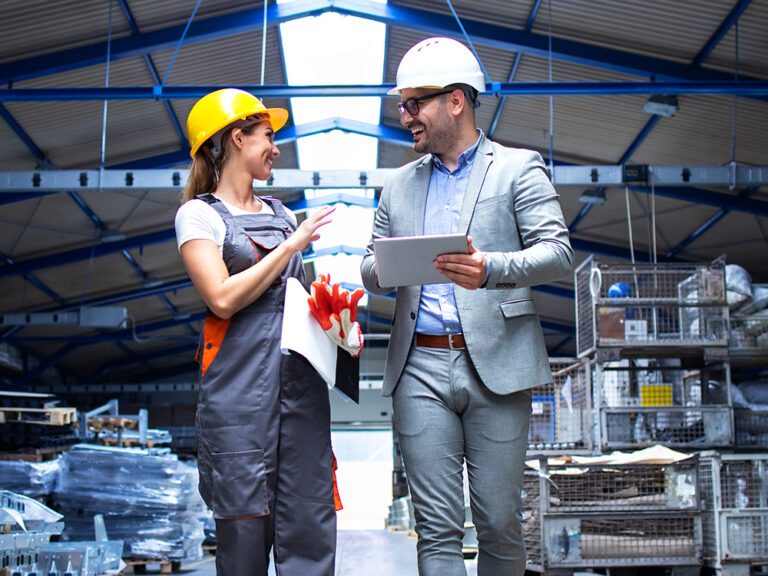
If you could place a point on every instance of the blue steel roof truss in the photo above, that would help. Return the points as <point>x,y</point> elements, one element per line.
<point>523,43</point>
<point>698,60</point>
<point>495,36</point>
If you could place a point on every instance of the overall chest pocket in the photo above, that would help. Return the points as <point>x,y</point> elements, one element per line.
<point>264,239</point>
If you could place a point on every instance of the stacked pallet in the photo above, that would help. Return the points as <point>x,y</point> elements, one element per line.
<point>148,498</point>
<point>35,421</point>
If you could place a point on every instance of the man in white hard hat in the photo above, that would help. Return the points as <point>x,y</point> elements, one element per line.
<point>464,355</point>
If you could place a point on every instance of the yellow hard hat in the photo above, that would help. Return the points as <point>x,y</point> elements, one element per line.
<point>221,108</point>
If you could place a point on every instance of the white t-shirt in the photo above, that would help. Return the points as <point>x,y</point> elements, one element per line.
<point>197,220</point>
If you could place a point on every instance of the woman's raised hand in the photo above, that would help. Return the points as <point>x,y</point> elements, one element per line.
<point>308,230</point>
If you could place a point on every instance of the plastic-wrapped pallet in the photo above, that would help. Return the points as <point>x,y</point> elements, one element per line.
<point>148,498</point>
<point>34,479</point>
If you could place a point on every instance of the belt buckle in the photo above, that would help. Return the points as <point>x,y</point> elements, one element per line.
<point>450,342</point>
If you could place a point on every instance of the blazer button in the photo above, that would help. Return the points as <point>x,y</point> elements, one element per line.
<point>413,316</point>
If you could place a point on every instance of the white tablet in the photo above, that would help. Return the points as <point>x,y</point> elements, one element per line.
<point>409,260</point>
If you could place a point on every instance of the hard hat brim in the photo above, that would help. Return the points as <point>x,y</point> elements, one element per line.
<point>397,90</point>
<point>277,117</point>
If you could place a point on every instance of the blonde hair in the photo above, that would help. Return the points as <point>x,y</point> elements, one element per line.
<point>206,169</point>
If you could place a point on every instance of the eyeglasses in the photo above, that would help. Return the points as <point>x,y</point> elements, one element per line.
<point>412,104</point>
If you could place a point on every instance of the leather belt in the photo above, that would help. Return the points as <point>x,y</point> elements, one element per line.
<point>452,341</point>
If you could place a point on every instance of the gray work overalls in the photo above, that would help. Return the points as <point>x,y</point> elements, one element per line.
<point>263,423</point>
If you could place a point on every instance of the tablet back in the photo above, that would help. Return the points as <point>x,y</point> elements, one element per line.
<point>408,260</point>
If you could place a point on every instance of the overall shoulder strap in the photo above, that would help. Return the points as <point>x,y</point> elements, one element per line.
<point>216,204</point>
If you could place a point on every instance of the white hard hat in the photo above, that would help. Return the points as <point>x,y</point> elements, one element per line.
<point>437,63</point>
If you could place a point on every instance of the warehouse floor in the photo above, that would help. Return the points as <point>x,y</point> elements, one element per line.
<point>392,553</point>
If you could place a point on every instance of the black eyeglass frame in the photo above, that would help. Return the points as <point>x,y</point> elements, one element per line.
<point>412,104</point>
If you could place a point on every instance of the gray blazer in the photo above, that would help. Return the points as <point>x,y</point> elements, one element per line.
<point>511,211</point>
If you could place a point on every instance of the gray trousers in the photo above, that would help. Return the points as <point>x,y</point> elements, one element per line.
<point>444,417</point>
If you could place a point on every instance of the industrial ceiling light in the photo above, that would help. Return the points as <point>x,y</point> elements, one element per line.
<point>662,105</point>
<point>593,196</point>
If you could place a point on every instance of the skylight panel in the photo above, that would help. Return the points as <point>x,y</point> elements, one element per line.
<point>333,49</point>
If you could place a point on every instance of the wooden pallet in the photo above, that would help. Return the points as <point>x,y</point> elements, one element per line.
<point>43,416</point>
<point>32,455</point>
<point>125,442</point>
<point>112,423</point>
<point>144,566</point>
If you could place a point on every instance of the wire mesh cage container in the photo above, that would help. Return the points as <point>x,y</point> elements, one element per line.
<point>703,427</point>
<point>594,541</point>
<point>608,487</point>
<point>672,401</point>
<point>751,428</point>
<point>749,336</point>
<point>560,537</point>
<point>650,306</point>
<point>561,418</point>
<point>734,490</point>
<point>532,518</point>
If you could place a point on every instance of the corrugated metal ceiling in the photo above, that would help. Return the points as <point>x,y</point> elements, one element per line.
<point>591,129</point>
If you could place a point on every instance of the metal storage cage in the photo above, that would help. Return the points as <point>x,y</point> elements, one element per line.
<point>751,428</point>
<point>649,517</point>
<point>641,487</point>
<point>561,418</point>
<point>650,306</point>
<point>646,401</point>
<point>532,519</point>
<point>749,337</point>
<point>734,490</point>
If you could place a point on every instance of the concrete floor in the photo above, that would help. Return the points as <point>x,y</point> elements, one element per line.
<point>391,553</point>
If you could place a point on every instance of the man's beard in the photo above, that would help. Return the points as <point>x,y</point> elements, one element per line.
<point>436,140</point>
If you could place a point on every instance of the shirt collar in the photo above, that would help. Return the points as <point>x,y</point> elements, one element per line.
<point>465,158</point>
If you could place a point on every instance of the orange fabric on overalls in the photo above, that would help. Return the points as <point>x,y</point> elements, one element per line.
<point>214,330</point>
<point>336,496</point>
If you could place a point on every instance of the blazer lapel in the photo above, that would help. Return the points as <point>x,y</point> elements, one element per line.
<point>417,191</point>
<point>483,160</point>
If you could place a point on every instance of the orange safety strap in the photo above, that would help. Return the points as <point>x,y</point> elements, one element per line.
<point>336,496</point>
<point>214,330</point>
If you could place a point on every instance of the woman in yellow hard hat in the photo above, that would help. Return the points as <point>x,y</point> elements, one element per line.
<point>263,418</point>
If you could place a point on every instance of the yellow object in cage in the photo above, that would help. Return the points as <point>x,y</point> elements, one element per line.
<point>656,395</point>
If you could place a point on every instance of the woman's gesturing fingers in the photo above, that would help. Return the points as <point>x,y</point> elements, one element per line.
<point>308,230</point>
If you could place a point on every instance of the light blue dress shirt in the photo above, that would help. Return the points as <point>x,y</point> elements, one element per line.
<point>438,312</point>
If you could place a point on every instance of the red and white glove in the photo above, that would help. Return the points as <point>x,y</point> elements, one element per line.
<point>335,309</point>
